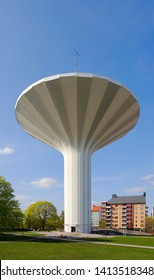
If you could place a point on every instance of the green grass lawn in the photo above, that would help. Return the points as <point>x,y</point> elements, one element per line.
<point>132,240</point>
<point>70,251</point>
<point>31,245</point>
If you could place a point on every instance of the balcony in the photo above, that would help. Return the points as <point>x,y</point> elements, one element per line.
<point>124,225</point>
<point>108,224</point>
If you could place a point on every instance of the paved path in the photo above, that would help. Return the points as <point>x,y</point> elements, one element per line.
<point>125,245</point>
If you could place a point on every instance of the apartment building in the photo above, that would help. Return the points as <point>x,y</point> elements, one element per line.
<point>95,216</point>
<point>125,212</point>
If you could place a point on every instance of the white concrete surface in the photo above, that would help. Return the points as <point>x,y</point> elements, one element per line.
<point>77,114</point>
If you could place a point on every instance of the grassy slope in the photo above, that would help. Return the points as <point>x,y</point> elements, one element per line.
<point>69,250</point>
<point>132,240</point>
<point>21,248</point>
<point>135,240</point>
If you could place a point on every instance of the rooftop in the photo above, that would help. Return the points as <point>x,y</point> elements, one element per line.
<point>127,199</point>
<point>95,208</point>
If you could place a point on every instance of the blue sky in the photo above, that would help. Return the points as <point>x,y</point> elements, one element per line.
<point>116,39</point>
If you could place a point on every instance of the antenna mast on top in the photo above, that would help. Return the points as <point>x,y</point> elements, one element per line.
<point>77,54</point>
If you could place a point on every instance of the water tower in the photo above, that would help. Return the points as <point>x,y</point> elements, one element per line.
<point>77,114</point>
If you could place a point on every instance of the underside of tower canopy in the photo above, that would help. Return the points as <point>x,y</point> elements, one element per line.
<point>77,109</point>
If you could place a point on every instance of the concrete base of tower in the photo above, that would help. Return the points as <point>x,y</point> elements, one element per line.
<point>77,190</point>
<point>77,228</point>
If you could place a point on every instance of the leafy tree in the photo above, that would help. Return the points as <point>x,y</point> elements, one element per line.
<point>102,224</point>
<point>62,219</point>
<point>41,215</point>
<point>149,224</point>
<point>10,213</point>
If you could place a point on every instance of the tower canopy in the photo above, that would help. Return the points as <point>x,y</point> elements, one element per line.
<point>77,110</point>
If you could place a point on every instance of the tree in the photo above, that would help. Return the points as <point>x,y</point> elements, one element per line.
<point>41,215</point>
<point>102,224</point>
<point>10,213</point>
<point>149,224</point>
<point>60,221</point>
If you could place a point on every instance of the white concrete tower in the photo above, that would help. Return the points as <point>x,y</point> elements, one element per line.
<point>77,114</point>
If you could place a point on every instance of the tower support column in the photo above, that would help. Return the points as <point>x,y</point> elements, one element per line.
<point>77,190</point>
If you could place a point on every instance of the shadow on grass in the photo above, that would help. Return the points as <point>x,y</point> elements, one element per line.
<point>4,237</point>
<point>13,237</point>
<point>69,240</point>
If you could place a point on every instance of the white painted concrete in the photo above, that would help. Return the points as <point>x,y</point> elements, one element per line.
<point>77,114</point>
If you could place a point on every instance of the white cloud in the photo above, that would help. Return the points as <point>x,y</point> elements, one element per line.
<point>45,182</point>
<point>21,198</point>
<point>138,189</point>
<point>98,179</point>
<point>151,183</point>
<point>94,202</point>
<point>6,151</point>
<point>24,201</point>
<point>116,178</point>
<point>148,177</point>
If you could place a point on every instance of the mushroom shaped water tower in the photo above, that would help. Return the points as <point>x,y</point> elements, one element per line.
<point>77,114</point>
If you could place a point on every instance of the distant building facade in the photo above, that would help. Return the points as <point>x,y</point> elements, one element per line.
<point>125,212</point>
<point>152,212</point>
<point>95,216</point>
